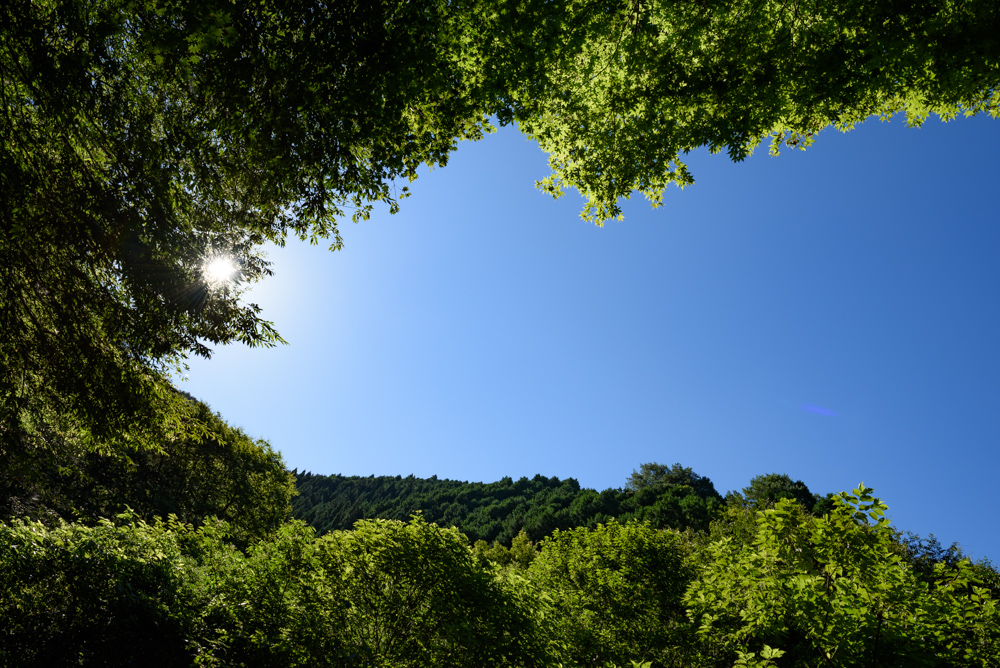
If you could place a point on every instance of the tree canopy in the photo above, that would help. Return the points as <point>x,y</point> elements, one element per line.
<point>657,475</point>
<point>766,490</point>
<point>625,89</point>
<point>143,138</point>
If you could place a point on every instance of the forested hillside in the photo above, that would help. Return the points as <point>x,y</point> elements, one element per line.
<point>200,468</point>
<point>498,511</point>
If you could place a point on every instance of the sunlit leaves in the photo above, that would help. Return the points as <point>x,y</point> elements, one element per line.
<point>620,92</point>
<point>834,589</point>
<point>616,592</point>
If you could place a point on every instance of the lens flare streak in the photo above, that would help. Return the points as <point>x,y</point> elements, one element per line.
<point>818,410</point>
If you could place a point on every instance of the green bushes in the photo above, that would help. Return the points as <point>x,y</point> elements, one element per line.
<point>832,591</point>
<point>413,595</point>
<point>616,593</point>
<point>771,587</point>
<point>386,594</point>
<point>104,595</point>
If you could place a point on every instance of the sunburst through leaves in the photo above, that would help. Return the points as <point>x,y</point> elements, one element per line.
<point>219,270</point>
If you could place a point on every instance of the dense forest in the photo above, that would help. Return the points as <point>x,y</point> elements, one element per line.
<point>665,497</point>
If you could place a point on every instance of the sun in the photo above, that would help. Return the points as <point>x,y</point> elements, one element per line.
<point>219,270</point>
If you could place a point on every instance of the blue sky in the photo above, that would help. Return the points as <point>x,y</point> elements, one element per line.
<point>830,314</point>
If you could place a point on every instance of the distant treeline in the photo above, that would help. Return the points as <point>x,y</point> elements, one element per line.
<point>672,497</point>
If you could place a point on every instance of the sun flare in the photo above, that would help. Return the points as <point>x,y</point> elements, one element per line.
<point>219,270</point>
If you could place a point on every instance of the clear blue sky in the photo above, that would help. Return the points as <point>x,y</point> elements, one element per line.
<point>830,314</point>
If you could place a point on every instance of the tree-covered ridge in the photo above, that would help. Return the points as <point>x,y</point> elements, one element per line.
<point>498,511</point>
